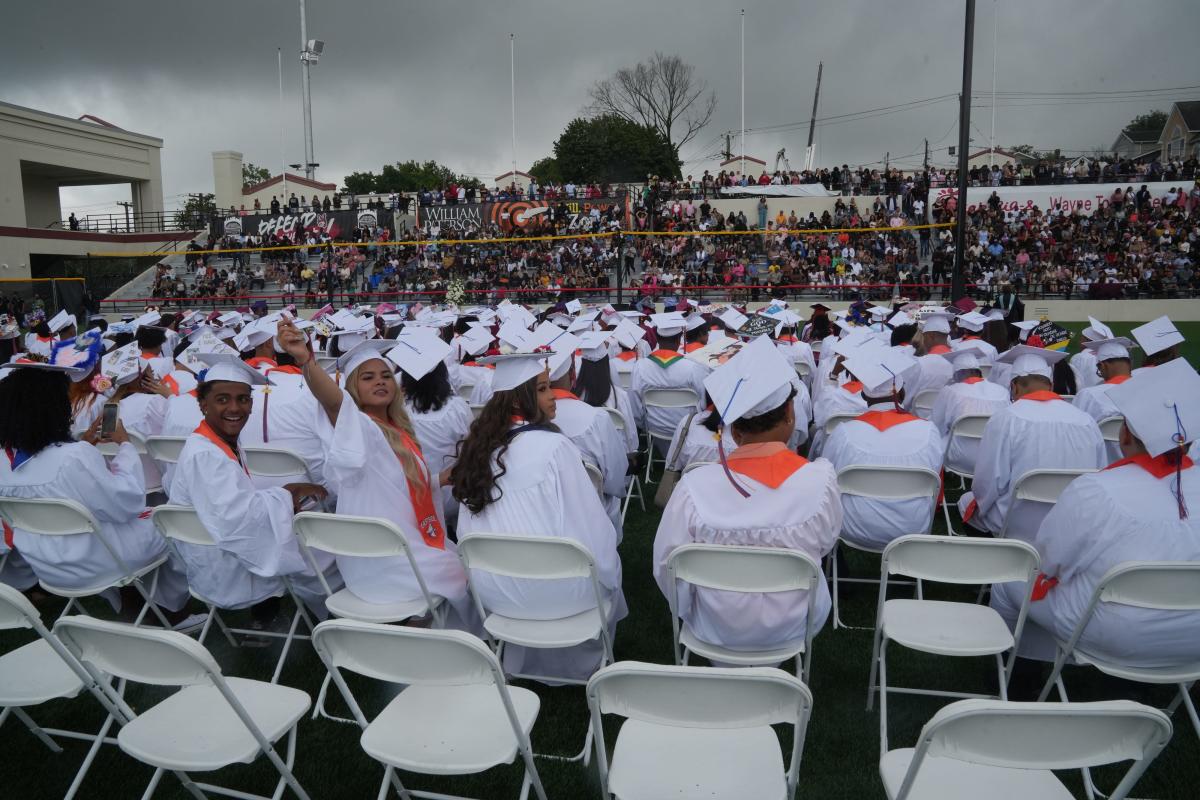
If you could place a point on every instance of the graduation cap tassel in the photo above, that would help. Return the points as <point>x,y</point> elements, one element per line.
<point>725,464</point>
<point>1180,439</point>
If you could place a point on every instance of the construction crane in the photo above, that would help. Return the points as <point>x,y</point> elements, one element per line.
<point>781,156</point>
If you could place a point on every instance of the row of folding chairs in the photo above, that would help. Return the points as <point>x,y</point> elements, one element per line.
<point>685,729</point>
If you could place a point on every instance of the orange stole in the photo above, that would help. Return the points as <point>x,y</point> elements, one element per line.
<point>882,420</point>
<point>768,465</point>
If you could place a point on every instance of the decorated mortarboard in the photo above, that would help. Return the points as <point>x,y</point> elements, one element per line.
<point>79,353</point>
<point>418,355</point>
<point>1157,335</point>
<point>123,364</point>
<point>1108,349</point>
<point>226,367</point>
<point>758,325</point>
<point>1028,360</point>
<point>60,321</point>
<point>1161,406</point>
<point>514,369</point>
<point>207,341</point>
<point>149,319</point>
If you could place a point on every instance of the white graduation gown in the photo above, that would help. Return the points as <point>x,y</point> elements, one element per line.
<point>545,492</point>
<point>593,432</point>
<point>369,481</point>
<point>183,416</point>
<point>833,401</point>
<point>474,377</point>
<point>439,433</point>
<point>1100,521</point>
<point>292,414</point>
<point>935,373</point>
<point>958,400</point>
<point>114,491</point>
<point>1083,364</point>
<point>680,374</point>
<point>799,352</point>
<point>38,345</point>
<point>1024,436</point>
<point>252,529</point>
<point>86,413</point>
<point>699,443</point>
<point>803,513</point>
<point>989,353</point>
<point>622,401</point>
<point>1094,402</point>
<point>144,414</point>
<point>874,522</point>
<point>999,375</point>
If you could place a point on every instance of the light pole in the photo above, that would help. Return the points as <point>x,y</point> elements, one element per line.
<point>957,282</point>
<point>310,53</point>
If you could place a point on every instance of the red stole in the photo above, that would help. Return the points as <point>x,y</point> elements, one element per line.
<point>1042,396</point>
<point>207,432</point>
<point>973,380</point>
<point>259,361</point>
<point>665,358</point>
<point>287,369</point>
<point>563,394</point>
<point>1156,466</point>
<point>853,387</point>
<point>1116,380</point>
<point>769,463</point>
<point>627,355</point>
<point>939,349</point>
<point>692,347</point>
<point>171,384</point>
<point>882,420</point>
<point>420,493</point>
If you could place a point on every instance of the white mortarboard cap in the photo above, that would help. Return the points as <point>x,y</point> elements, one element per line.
<point>756,380</point>
<point>476,340</point>
<point>900,318</point>
<point>669,324</point>
<point>965,357</point>
<point>1161,406</point>
<point>230,318</point>
<point>1097,330</point>
<point>514,369</point>
<point>252,336</point>
<point>733,319</point>
<point>594,344</point>
<point>854,339</point>
<point>418,355</point>
<point>994,314</point>
<point>972,321</point>
<point>628,334</point>
<point>1107,349</point>
<point>362,352</point>
<point>517,336</point>
<point>583,322</point>
<point>1026,327</point>
<point>225,367</point>
<point>1157,335</point>
<point>879,369</point>
<point>879,312</point>
<point>574,306</point>
<point>123,364</point>
<point>937,322</point>
<point>561,320</point>
<point>1028,360</point>
<point>694,321</point>
<point>789,319</point>
<point>60,320</point>
<point>148,319</point>
<point>563,344</point>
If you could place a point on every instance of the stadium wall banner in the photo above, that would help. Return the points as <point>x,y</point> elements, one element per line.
<point>514,214</point>
<point>294,227</point>
<point>1082,197</point>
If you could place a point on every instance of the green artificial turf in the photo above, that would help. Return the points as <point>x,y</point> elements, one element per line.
<point>840,755</point>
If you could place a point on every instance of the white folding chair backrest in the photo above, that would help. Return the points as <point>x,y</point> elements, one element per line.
<point>985,369</point>
<point>476,410</point>
<point>1044,736</point>
<point>47,516</point>
<point>736,568</point>
<point>273,462</point>
<point>696,465</point>
<point>1045,485</point>
<point>595,476</point>
<point>138,441</point>
<point>1067,397</point>
<point>969,426</point>
<point>803,370</point>
<point>837,419</point>
<point>964,560</point>
<point>1110,428</point>
<point>923,403</point>
<point>344,535</point>
<point>405,655</point>
<point>618,419</point>
<point>889,482</point>
<point>143,655</point>
<point>15,609</point>
<point>326,363</point>
<point>526,557</point>
<point>181,524</point>
<point>465,391</point>
<point>624,378</point>
<point>165,448</point>
<point>670,398</point>
<point>1167,585</point>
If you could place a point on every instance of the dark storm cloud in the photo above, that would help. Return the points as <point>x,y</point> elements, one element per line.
<point>426,80</point>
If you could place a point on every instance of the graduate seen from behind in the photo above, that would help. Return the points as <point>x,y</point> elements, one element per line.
<point>518,475</point>
<point>377,469</point>
<point>763,495</point>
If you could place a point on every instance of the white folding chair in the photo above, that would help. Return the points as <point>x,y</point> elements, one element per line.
<point>698,731</point>
<point>46,516</point>
<point>835,420</point>
<point>985,369</point>
<point>538,558</point>
<point>150,470</point>
<point>596,477</point>
<point>476,410</point>
<point>958,629</point>
<point>733,568</point>
<point>997,750</point>
<point>1042,488</point>
<point>625,378</point>
<point>803,371</point>
<point>695,465</point>
<point>968,426</point>
<point>1110,428</point>
<point>1067,397</point>
<point>672,399</point>
<point>455,716</point>
<point>165,448</point>
<point>1159,585</point>
<point>465,391</point>
<point>880,483</point>
<point>635,487</point>
<point>182,524</point>
<point>210,723</point>
<point>923,403</point>
<point>326,363</point>
<point>274,466</point>
<point>40,671</point>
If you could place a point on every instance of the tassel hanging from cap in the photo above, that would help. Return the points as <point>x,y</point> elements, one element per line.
<point>725,463</point>
<point>1180,439</point>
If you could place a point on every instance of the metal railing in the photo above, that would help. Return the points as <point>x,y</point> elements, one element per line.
<point>136,222</point>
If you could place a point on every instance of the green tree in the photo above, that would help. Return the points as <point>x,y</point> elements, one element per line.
<point>1146,126</point>
<point>546,170</point>
<point>252,174</point>
<point>612,149</point>
<point>196,212</point>
<point>361,182</point>
<point>407,176</point>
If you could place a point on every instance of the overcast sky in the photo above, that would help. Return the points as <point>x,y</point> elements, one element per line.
<point>430,80</point>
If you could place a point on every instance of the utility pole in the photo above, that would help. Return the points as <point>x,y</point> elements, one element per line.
<point>304,60</point>
<point>728,147</point>
<point>957,287</point>
<point>926,162</point>
<point>126,205</point>
<point>887,160</point>
<point>809,153</point>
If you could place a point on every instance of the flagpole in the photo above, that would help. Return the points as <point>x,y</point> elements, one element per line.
<point>743,93</point>
<point>282,152</point>
<point>992,138</point>
<point>512,62</point>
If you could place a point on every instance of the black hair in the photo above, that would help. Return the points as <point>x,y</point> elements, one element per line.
<point>668,342</point>
<point>149,337</point>
<point>764,422</point>
<point>820,327</point>
<point>120,340</point>
<point>712,420</point>
<point>42,329</point>
<point>593,384</point>
<point>429,393</point>
<point>696,334</point>
<point>100,323</point>
<point>35,409</point>
<point>462,326</point>
<point>1064,378</point>
<point>903,334</point>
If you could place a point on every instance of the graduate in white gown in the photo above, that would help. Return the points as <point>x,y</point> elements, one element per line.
<point>969,394</point>
<point>42,460</point>
<point>377,469</point>
<point>1039,430</point>
<point>1114,366</point>
<point>935,372</point>
<point>885,436</point>
<point>695,439</point>
<point>440,420</point>
<point>842,392</point>
<point>596,385</point>
<point>1083,363</point>
<point>1145,507</point>
<point>971,324</point>
<point>252,528</point>
<point>518,475</point>
<point>770,497</point>
<point>666,368</point>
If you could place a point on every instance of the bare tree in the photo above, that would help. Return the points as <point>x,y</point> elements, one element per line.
<point>663,93</point>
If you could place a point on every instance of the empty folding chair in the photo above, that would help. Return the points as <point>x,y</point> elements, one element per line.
<point>538,558</point>
<point>698,731</point>
<point>958,629</point>
<point>734,568</point>
<point>996,750</point>
<point>966,427</point>
<point>665,399</point>
<point>40,671</point>
<point>634,487</point>
<point>210,723</point>
<point>883,483</point>
<point>1161,585</point>
<point>182,524</point>
<point>455,716</point>
<point>60,517</point>
<point>1035,493</point>
<point>362,537</point>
